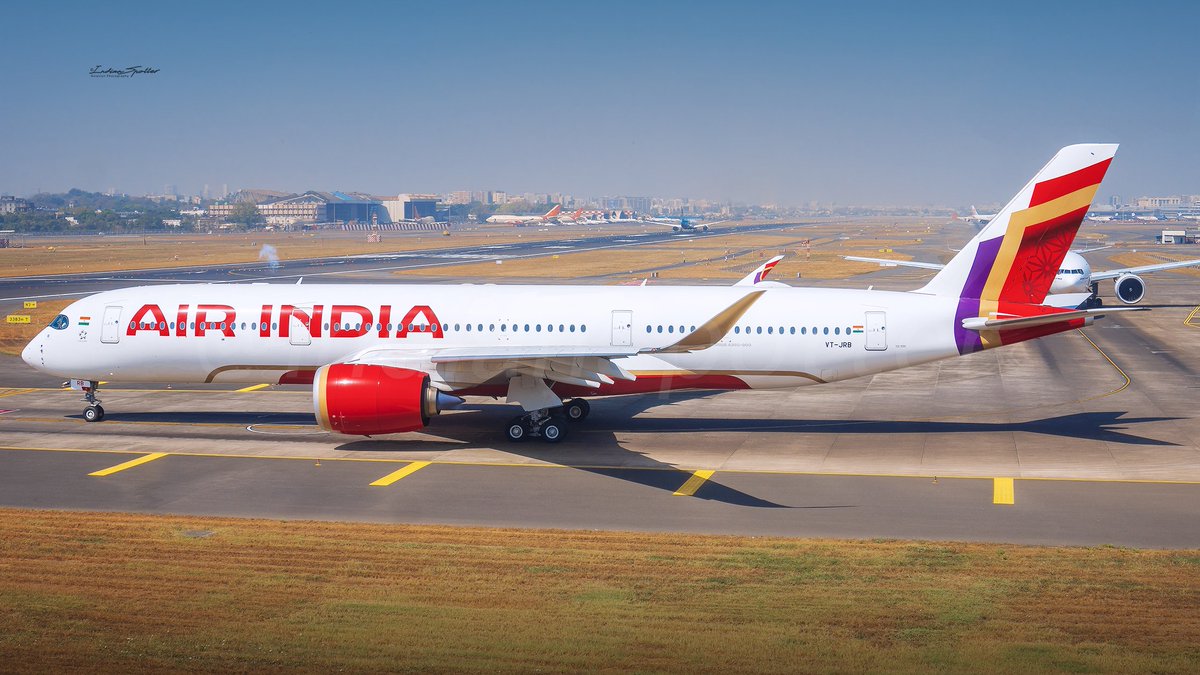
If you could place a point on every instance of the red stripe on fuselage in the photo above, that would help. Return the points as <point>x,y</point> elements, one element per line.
<point>1054,188</point>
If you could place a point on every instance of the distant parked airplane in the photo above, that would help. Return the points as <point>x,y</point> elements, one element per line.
<point>525,220</point>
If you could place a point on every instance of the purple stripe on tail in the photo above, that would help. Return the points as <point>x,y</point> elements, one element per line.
<point>968,304</point>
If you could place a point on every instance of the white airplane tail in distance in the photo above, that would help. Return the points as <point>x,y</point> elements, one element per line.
<point>387,358</point>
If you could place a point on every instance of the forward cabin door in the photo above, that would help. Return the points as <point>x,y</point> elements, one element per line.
<point>299,332</point>
<point>110,328</point>
<point>876,331</point>
<point>622,328</point>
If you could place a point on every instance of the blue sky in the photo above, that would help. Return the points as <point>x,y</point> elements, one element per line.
<point>865,103</point>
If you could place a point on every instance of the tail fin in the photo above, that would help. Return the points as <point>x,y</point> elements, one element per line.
<point>575,216</point>
<point>1014,257</point>
<point>554,211</point>
<point>1011,263</point>
<point>974,213</point>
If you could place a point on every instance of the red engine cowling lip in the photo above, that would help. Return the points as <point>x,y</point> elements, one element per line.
<point>367,400</point>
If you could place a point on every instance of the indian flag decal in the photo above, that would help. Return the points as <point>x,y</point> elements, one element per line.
<point>85,321</point>
<point>858,329</point>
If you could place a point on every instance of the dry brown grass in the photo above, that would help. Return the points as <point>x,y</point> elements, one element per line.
<point>118,592</point>
<point>14,336</point>
<point>696,257</point>
<point>98,254</point>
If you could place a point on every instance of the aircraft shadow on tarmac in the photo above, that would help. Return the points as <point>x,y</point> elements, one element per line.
<point>476,425</point>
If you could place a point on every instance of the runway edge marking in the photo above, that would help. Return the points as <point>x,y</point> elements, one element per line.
<point>1002,491</point>
<point>693,483</point>
<point>129,465</point>
<point>400,473</point>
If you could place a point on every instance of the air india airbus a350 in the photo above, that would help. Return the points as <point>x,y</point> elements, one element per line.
<point>386,358</point>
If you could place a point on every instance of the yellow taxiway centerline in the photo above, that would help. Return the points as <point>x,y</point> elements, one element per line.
<point>129,465</point>
<point>397,475</point>
<point>693,483</point>
<point>255,387</point>
<point>613,467</point>
<point>1002,491</point>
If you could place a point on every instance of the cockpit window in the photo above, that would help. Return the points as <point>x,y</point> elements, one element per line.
<point>60,322</point>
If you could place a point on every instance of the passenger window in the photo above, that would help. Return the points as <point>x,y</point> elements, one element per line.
<point>560,328</point>
<point>758,329</point>
<point>837,331</point>
<point>659,329</point>
<point>737,330</point>
<point>468,328</point>
<point>792,330</point>
<point>770,330</point>
<point>573,328</point>
<point>526,328</point>
<point>648,328</point>
<point>583,328</point>
<point>827,330</point>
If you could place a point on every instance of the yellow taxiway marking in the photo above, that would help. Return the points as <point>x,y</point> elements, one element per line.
<point>693,483</point>
<point>397,475</point>
<point>1188,320</point>
<point>1002,491</point>
<point>1112,363</point>
<point>614,467</point>
<point>14,392</point>
<point>129,465</point>
<point>255,387</point>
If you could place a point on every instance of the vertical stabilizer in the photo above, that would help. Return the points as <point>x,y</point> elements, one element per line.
<point>1015,257</point>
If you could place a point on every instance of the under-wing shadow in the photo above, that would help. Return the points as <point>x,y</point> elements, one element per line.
<point>606,456</point>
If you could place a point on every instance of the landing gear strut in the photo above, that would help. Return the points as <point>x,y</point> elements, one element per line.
<point>94,412</point>
<point>548,424</point>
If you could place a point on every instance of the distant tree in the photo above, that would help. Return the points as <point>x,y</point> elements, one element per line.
<point>246,213</point>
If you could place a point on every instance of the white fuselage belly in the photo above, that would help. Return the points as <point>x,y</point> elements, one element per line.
<point>762,351</point>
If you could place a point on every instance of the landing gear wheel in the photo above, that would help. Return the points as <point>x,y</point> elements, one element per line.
<point>516,430</point>
<point>576,410</point>
<point>93,413</point>
<point>554,429</point>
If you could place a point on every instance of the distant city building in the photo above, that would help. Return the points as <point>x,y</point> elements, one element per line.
<point>308,208</point>
<point>1158,202</point>
<point>9,204</point>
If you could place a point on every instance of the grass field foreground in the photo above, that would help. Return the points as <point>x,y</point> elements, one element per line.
<point>119,592</point>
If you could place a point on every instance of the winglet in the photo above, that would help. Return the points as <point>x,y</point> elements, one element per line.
<point>760,273</point>
<point>713,330</point>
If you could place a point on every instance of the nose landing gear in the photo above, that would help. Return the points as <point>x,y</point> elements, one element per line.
<point>94,412</point>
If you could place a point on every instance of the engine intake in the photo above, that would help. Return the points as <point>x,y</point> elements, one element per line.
<point>366,400</point>
<point>1130,289</point>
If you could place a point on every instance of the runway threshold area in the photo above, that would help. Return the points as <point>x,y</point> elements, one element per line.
<point>997,509</point>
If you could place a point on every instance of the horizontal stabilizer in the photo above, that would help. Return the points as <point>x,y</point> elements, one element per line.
<point>1011,323</point>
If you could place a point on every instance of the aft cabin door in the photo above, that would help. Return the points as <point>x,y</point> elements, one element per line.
<point>876,331</point>
<point>622,328</point>
<point>110,329</point>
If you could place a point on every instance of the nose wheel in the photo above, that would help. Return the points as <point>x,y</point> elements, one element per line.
<point>94,412</point>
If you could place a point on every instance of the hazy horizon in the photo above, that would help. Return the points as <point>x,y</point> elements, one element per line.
<point>761,103</point>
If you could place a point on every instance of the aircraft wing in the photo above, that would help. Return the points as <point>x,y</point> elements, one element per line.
<point>570,364</point>
<point>1144,269</point>
<point>983,323</point>
<point>883,262</point>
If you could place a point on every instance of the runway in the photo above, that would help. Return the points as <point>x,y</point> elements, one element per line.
<point>1089,437</point>
<point>351,269</point>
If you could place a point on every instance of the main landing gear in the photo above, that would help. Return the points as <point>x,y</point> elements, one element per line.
<point>549,424</point>
<point>94,412</point>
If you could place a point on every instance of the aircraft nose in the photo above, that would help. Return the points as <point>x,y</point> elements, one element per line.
<point>32,354</point>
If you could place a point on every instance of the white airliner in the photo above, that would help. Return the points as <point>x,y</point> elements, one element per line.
<point>525,220</point>
<point>976,218</point>
<point>386,358</point>
<point>1075,284</point>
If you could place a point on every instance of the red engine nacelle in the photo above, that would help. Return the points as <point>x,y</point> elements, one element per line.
<point>368,400</point>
